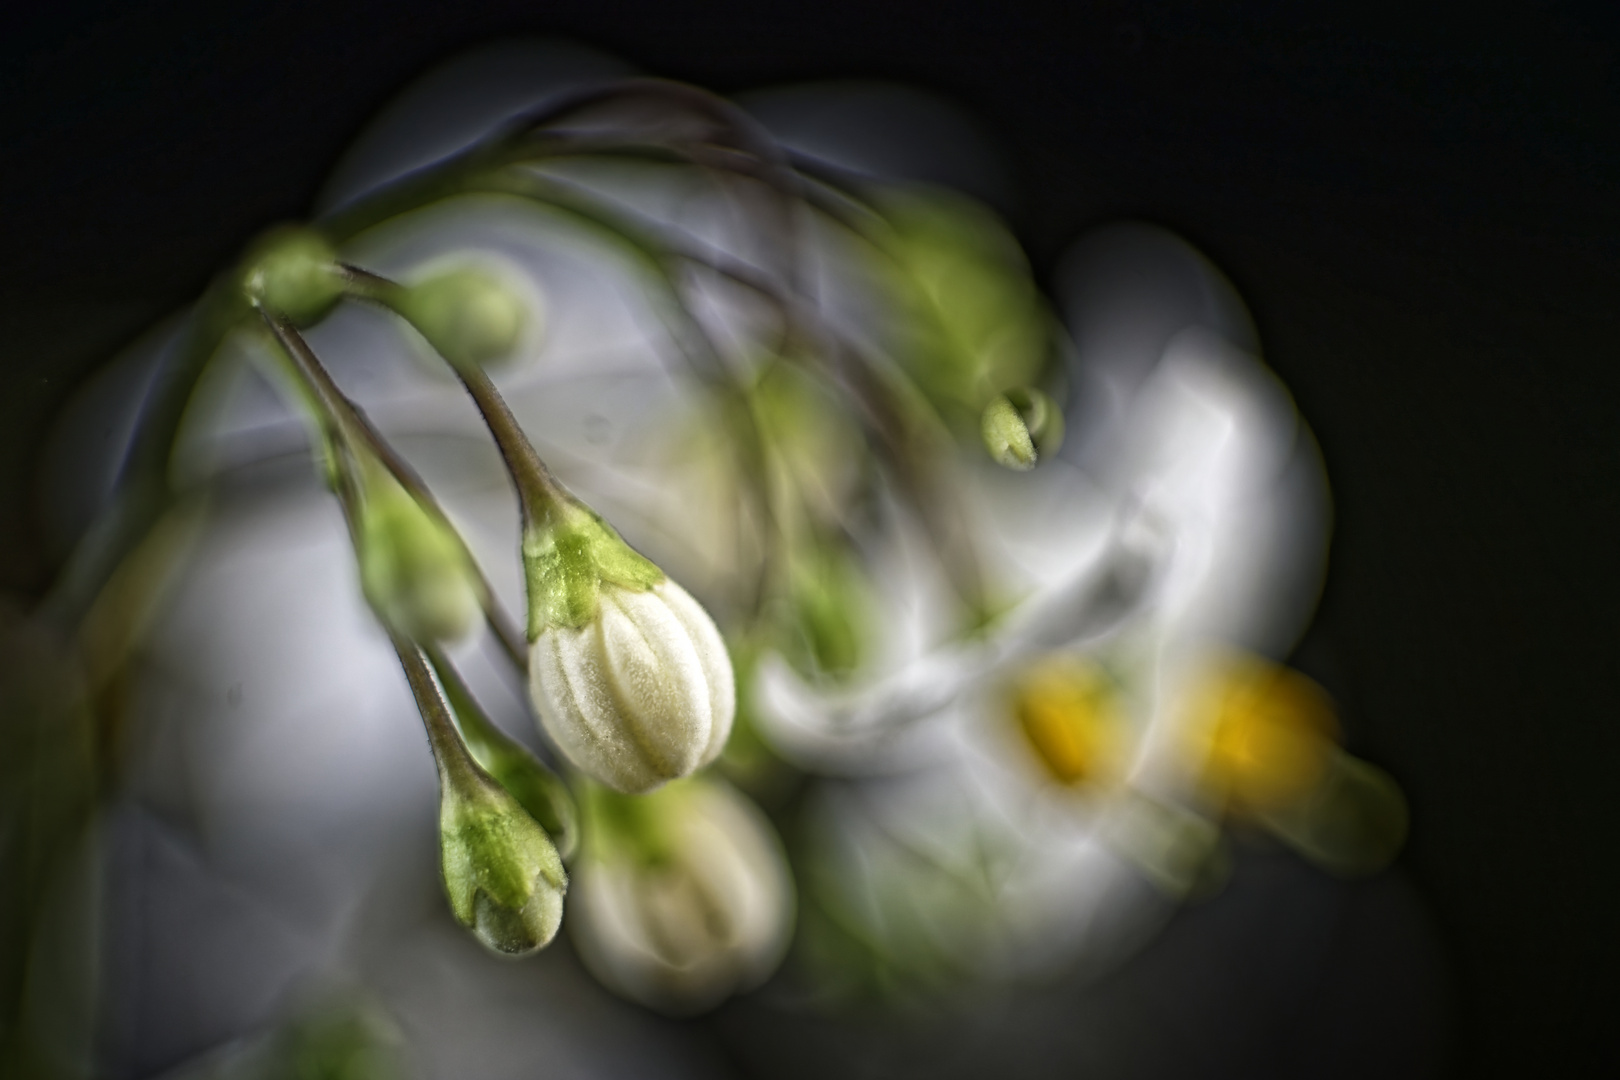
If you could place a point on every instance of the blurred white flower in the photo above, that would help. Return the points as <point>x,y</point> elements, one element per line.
<point>1001,822</point>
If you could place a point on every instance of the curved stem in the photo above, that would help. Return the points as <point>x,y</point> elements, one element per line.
<point>351,424</point>
<point>541,495</point>
<point>455,761</point>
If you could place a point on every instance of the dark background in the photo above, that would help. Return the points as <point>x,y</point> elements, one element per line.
<point>1421,211</point>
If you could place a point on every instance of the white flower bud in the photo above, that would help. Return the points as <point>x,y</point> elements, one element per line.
<point>682,898</point>
<point>639,694</point>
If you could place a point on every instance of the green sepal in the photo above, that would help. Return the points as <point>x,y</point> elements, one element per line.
<point>525,777</point>
<point>631,827</point>
<point>566,563</point>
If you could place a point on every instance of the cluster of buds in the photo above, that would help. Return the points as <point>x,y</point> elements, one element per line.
<point>630,678</point>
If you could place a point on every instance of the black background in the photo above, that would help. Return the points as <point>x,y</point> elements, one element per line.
<point>1421,210</point>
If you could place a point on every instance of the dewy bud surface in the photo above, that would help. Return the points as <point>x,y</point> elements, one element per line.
<point>640,694</point>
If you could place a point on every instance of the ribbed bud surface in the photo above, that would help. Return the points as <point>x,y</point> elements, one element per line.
<point>641,694</point>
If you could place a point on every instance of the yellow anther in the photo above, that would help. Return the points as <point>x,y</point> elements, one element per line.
<point>1066,708</point>
<point>1266,733</point>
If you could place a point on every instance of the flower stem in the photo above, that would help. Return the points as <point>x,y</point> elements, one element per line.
<point>352,426</point>
<point>541,496</point>
<point>455,761</point>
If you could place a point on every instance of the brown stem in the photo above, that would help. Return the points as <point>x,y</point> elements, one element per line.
<point>455,762</point>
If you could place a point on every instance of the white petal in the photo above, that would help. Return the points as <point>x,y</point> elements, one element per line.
<point>711,652</point>
<point>579,713</point>
<point>656,679</point>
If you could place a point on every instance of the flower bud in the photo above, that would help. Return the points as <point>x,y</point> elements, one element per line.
<point>502,873</point>
<point>293,271</point>
<point>1020,426</point>
<point>628,673</point>
<point>469,316</point>
<point>413,568</point>
<point>682,897</point>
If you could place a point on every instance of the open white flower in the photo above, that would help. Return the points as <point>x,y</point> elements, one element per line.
<point>1190,514</point>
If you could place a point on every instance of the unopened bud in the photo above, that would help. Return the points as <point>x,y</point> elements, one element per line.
<point>413,568</point>
<point>292,271</point>
<point>628,673</point>
<point>1021,426</point>
<point>683,897</point>
<point>470,316</point>
<point>503,875</point>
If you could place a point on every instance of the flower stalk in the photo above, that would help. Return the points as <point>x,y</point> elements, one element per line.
<point>502,873</point>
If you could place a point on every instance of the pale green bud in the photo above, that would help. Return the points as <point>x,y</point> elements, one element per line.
<point>501,871</point>
<point>1020,426</point>
<point>470,316</point>
<point>627,672</point>
<point>413,569</point>
<point>293,271</point>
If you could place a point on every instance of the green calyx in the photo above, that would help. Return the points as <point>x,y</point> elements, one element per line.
<point>469,316</point>
<point>1021,426</point>
<point>413,569</point>
<point>525,777</point>
<point>503,875</point>
<point>293,271</point>
<point>633,828</point>
<point>568,558</point>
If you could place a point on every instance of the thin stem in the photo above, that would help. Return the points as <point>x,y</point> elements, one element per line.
<point>469,715</point>
<point>541,495</point>
<point>350,423</point>
<point>455,762</point>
